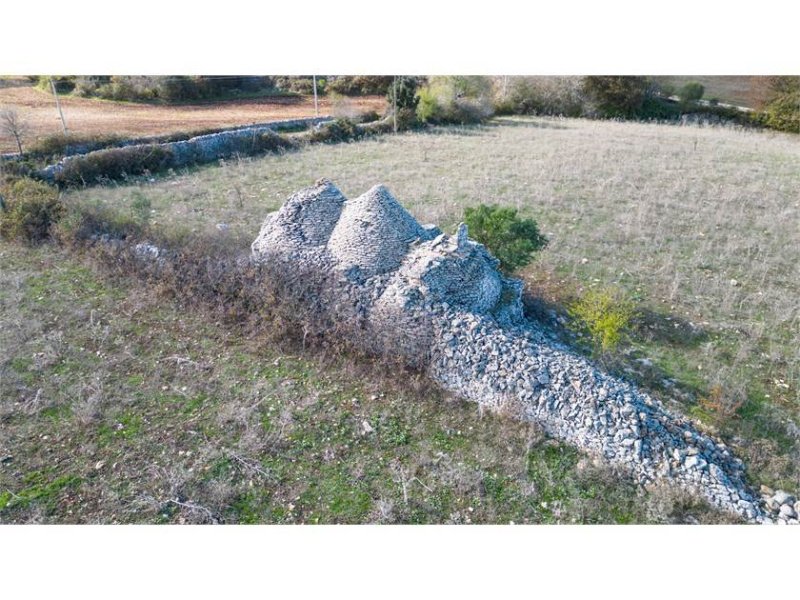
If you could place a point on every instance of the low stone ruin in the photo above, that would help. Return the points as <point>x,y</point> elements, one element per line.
<point>481,348</point>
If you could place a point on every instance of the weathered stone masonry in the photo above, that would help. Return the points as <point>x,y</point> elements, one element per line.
<point>482,348</point>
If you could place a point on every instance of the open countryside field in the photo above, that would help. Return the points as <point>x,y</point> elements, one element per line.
<point>132,410</point>
<point>86,116</point>
<point>740,90</point>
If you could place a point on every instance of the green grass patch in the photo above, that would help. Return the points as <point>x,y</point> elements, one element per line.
<point>39,490</point>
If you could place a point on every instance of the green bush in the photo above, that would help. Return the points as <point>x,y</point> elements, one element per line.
<point>303,84</point>
<point>339,130</point>
<point>454,100</point>
<point>64,83</point>
<point>113,163</point>
<point>406,93</point>
<point>691,92</point>
<point>782,111</point>
<point>31,209</point>
<point>368,116</point>
<point>170,88</point>
<point>428,109</point>
<point>260,143</point>
<point>617,96</point>
<point>512,240</point>
<point>86,85</point>
<point>540,96</point>
<point>406,119</point>
<point>605,314</point>
<point>666,90</point>
<point>354,85</point>
<point>654,107</point>
<point>61,145</point>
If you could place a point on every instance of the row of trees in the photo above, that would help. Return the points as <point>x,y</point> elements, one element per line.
<point>180,88</point>
<point>452,99</point>
<point>470,99</point>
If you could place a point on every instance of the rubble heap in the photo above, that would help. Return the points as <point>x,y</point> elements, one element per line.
<point>481,348</point>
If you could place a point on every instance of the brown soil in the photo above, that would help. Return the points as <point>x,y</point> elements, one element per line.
<point>89,116</point>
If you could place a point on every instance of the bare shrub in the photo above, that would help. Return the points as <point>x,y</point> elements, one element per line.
<point>14,126</point>
<point>274,300</point>
<point>721,405</point>
<point>88,408</point>
<point>458,100</point>
<point>30,210</point>
<point>114,163</point>
<point>539,96</point>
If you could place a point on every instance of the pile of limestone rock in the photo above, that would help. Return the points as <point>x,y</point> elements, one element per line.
<point>480,347</point>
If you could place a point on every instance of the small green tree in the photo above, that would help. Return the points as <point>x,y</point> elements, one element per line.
<point>783,107</point>
<point>512,240</point>
<point>605,314</point>
<point>691,92</point>
<point>428,109</point>
<point>406,93</point>
<point>13,126</point>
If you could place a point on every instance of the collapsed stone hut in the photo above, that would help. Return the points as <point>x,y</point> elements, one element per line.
<point>447,290</point>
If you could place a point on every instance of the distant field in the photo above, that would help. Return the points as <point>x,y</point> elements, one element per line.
<point>87,116</point>
<point>153,413</point>
<point>741,90</point>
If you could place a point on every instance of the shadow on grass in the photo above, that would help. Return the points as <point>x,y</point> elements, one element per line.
<point>454,130</point>
<point>537,124</point>
<point>664,328</point>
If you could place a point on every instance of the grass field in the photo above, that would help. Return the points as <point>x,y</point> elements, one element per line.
<point>741,90</point>
<point>86,116</point>
<point>698,225</point>
<point>118,408</point>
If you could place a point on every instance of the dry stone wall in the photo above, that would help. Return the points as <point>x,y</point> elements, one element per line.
<point>481,348</point>
<point>196,150</point>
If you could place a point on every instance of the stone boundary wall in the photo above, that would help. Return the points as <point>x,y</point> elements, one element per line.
<point>195,150</point>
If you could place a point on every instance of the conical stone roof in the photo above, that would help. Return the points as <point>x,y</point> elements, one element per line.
<point>373,233</point>
<point>305,220</point>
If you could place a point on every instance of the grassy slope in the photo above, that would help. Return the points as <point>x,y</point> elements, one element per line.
<point>119,407</point>
<point>698,224</point>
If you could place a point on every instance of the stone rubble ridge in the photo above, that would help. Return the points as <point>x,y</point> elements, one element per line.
<point>199,149</point>
<point>482,348</point>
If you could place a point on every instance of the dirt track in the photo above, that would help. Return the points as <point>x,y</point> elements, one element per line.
<point>88,116</point>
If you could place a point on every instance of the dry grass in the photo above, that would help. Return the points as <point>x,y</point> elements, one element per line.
<point>120,405</point>
<point>117,405</point>
<point>697,224</point>
<point>92,117</point>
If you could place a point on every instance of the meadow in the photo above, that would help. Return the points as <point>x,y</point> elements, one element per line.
<point>699,226</point>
